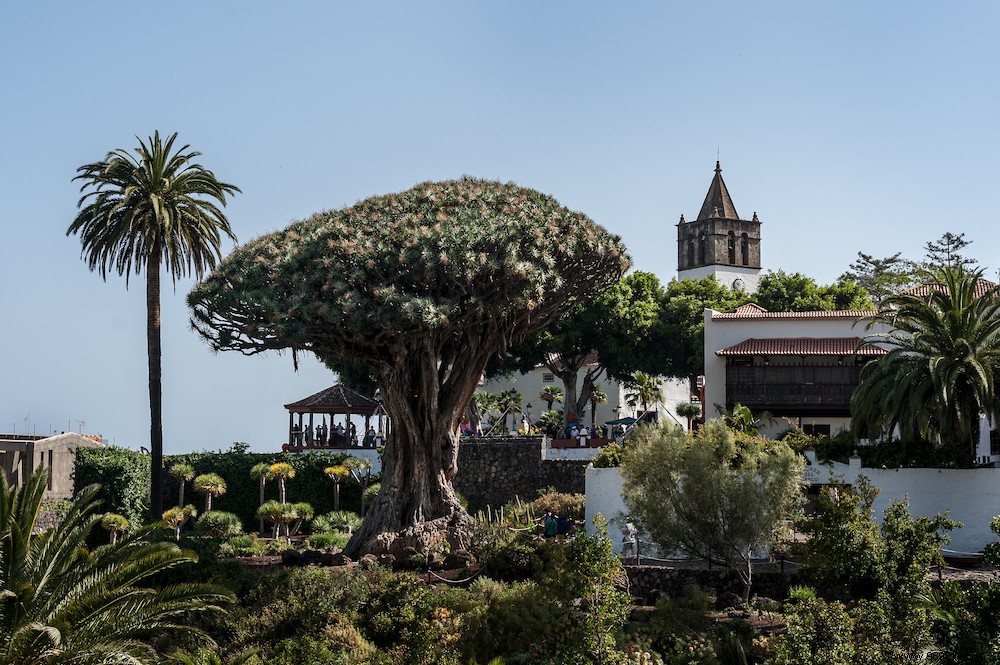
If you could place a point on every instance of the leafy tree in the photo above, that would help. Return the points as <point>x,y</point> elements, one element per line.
<point>157,206</point>
<point>940,375</point>
<point>480,405</point>
<point>425,286</point>
<point>63,603</point>
<point>709,500</point>
<point>881,277</point>
<point>211,485</point>
<point>114,524</point>
<point>946,252</point>
<point>616,334</point>
<point>184,473</point>
<point>551,395</point>
<point>683,319</point>
<point>794,292</point>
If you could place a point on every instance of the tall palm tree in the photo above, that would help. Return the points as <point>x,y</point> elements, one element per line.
<point>138,211</point>
<point>645,390</point>
<point>510,402</point>
<point>939,378</point>
<point>549,395</point>
<point>597,396</point>
<point>63,603</point>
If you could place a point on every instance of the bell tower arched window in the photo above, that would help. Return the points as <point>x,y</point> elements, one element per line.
<point>745,249</point>
<point>732,247</point>
<point>701,249</point>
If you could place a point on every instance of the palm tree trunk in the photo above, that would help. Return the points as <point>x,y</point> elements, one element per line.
<point>155,381</point>
<point>180,499</point>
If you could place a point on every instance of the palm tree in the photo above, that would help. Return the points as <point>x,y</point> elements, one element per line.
<point>261,472</point>
<point>689,410</point>
<point>63,603</point>
<point>184,473</point>
<point>645,391</point>
<point>114,524</point>
<point>336,473</point>
<point>177,517</point>
<point>211,485</point>
<point>282,471</point>
<point>939,378</point>
<point>549,395</point>
<point>510,402</point>
<point>597,396</point>
<point>138,211</point>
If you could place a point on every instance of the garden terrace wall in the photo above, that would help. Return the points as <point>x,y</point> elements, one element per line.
<point>496,471</point>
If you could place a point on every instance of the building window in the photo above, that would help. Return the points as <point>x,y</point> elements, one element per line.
<point>701,249</point>
<point>732,248</point>
<point>548,377</point>
<point>745,249</point>
<point>690,252</point>
<point>816,430</point>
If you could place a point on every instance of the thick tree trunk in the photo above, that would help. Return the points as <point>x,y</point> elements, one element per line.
<point>180,498</point>
<point>416,505</point>
<point>155,377</point>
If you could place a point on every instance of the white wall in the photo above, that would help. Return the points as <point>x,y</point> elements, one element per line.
<point>971,495</point>
<point>725,275</point>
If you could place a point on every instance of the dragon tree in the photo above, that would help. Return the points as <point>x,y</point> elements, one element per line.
<point>423,287</point>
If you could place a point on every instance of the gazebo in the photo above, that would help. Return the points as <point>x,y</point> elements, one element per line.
<point>338,400</point>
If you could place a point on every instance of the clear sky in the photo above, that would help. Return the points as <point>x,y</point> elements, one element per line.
<point>846,126</point>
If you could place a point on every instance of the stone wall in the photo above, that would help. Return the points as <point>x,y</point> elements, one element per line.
<point>649,583</point>
<point>495,471</point>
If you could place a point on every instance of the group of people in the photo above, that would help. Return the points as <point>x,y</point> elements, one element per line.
<point>574,431</point>
<point>555,525</point>
<point>337,437</point>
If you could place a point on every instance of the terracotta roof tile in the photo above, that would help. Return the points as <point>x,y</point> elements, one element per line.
<point>745,312</point>
<point>982,286</point>
<point>802,346</point>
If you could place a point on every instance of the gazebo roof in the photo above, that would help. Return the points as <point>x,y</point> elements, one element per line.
<point>335,399</point>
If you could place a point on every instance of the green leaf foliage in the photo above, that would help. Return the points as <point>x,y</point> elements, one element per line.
<point>123,476</point>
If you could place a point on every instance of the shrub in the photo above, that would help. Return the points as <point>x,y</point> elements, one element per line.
<point>326,541</point>
<point>243,545</point>
<point>560,503</point>
<point>338,520</point>
<point>609,457</point>
<point>123,478</point>
<point>218,524</point>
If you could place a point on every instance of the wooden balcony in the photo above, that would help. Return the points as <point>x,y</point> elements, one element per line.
<point>793,390</point>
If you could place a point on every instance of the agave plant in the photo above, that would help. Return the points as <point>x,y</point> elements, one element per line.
<point>61,602</point>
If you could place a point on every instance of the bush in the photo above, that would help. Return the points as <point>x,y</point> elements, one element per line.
<point>218,524</point>
<point>123,476</point>
<point>339,520</point>
<point>559,503</point>
<point>243,545</point>
<point>609,457</point>
<point>326,541</point>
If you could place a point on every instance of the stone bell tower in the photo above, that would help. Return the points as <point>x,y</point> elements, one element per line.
<point>719,243</point>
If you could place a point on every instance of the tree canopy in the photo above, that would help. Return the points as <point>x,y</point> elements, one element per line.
<point>940,375</point>
<point>423,287</point>
<point>708,498</point>
<point>794,292</point>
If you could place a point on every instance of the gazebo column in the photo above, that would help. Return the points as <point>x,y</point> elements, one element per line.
<point>291,428</point>
<point>312,431</point>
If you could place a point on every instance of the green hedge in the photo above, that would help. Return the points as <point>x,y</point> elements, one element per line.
<point>124,478</point>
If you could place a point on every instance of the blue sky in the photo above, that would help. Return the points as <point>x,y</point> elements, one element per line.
<point>846,126</point>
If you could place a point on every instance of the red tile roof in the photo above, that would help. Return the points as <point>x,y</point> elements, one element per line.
<point>752,311</point>
<point>802,346</point>
<point>982,286</point>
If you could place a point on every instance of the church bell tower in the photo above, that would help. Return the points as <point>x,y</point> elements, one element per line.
<point>719,243</point>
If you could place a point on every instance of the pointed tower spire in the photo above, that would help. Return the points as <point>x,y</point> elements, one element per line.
<point>718,204</point>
